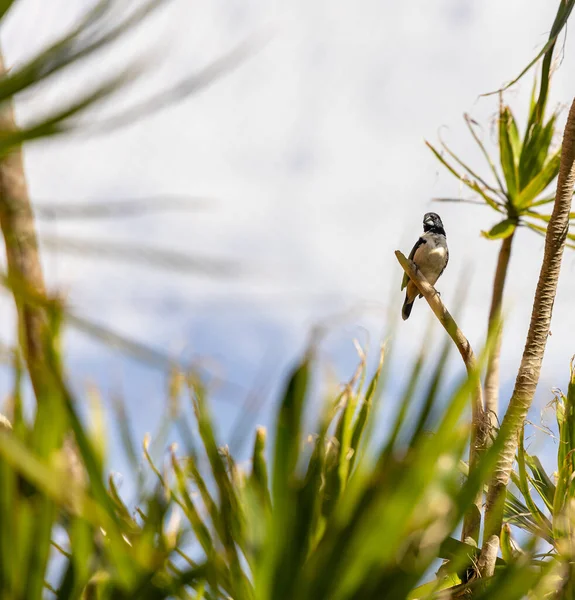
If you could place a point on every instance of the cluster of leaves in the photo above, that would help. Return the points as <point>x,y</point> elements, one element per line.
<point>528,166</point>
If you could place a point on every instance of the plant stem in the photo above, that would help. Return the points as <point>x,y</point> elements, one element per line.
<point>17,225</point>
<point>530,368</point>
<point>491,384</point>
<point>472,520</point>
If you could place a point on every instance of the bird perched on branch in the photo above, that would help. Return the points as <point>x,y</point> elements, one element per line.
<point>430,255</point>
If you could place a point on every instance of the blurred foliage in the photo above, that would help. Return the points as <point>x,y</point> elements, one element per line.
<point>299,521</point>
<point>105,24</point>
<point>326,512</point>
<point>329,514</point>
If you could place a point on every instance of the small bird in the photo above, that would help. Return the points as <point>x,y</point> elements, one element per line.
<point>430,255</point>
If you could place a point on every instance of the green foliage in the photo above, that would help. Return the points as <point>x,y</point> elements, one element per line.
<point>528,165</point>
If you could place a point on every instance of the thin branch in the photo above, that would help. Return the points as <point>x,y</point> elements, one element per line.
<point>472,519</point>
<point>491,383</point>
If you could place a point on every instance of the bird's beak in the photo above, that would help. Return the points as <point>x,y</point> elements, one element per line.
<point>429,222</point>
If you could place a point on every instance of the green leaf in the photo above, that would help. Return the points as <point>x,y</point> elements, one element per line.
<point>518,515</point>
<point>565,413</point>
<point>542,201</point>
<point>5,5</point>
<point>507,549</point>
<point>430,589</point>
<point>545,218</point>
<point>514,138</point>
<point>13,541</point>
<point>359,425</point>
<point>273,579</point>
<point>523,484</point>
<point>538,183</point>
<point>231,512</point>
<point>185,501</point>
<point>82,546</point>
<point>259,468</point>
<point>288,432</point>
<point>506,155</point>
<point>91,35</point>
<point>542,231</point>
<point>541,481</point>
<point>535,151</point>
<point>501,231</point>
<point>394,495</point>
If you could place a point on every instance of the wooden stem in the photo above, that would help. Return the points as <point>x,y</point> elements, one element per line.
<point>530,368</point>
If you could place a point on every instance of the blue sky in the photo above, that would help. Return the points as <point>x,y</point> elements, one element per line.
<point>312,161</point>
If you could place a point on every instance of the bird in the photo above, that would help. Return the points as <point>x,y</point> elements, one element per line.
<point>430,254</point>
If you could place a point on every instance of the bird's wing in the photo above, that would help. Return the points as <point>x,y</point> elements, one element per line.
<point>419,242</point>
<point>446,261</point>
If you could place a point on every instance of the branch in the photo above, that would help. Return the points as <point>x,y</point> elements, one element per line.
<point>478,430</point>
<point>449,324</point>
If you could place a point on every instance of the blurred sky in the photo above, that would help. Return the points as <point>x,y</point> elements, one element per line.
<point>312,161</point>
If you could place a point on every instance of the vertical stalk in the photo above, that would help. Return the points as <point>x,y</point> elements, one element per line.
<point>24,267</point>
<point>530,368</point>
<point>491,384</point>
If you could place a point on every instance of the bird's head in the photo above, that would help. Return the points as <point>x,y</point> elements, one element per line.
<point>432,222</point>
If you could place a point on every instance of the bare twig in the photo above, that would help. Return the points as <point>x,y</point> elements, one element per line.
<point>472,519</point>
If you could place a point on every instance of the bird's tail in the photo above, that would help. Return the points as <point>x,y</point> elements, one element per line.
<point>407,306</point>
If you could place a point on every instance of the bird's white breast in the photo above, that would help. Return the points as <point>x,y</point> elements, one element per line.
<point>431,257</point>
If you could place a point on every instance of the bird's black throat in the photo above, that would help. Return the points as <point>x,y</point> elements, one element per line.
<point>434,229</point>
